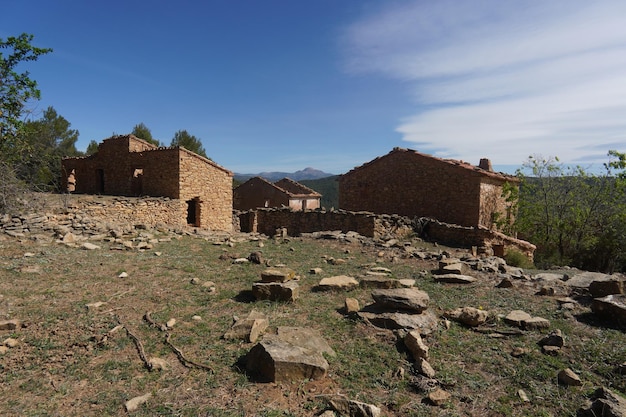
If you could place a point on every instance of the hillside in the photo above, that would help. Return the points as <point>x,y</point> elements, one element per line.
<point>304,174</point>
<point>328,187</point>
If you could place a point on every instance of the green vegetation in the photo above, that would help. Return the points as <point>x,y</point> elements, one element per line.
<point>328,187</point>
<point>574,217</point>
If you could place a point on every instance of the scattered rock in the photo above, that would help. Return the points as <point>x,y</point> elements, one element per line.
<point>337,283</point>
<point>517,351</point>
<point>523,396</point>
<point>351,305</point>
<point>315,271</point>
<point>278,275</point>
<point>606,285</point>
<point>438,397</point>
<point>276,291</point>
<point>469,316</point>
<point>546,291</point>
<point>555,338</point>
<point>249,328</point>
<point>134,403</point>
<point>380,281</point>
<point>158,364</point>
<point>454,279</point>
<point>10,324</point>
<point>277,360</point>
<point>423,367</point>
<point>517,318</point>
<point>240,261</point>
<point>170,323</point>
<point>535,323</point>
<point>10,342</point>
<point>256,257</point>
<point>416,346</point>
<point>123,275</point>
<point>351,408</point>
<point>569,378</point>
<point>93,306</point>
<point>426,322</point>
<point>3,350</point>
<point>410,299</point>
<point>612,307</point>
<point>605,404</point>
<point>90,246</point>
<point>505,283</point>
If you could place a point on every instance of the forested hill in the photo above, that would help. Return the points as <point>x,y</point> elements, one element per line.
<point>328,187</point>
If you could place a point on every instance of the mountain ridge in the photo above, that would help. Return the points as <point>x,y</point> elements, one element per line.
<point>307,173</point>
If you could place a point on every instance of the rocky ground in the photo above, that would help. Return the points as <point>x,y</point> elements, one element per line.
<point>103,319</point>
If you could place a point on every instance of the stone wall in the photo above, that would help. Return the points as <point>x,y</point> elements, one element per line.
<point>268,221</point>
<point>211,185</point>
<point>129,211</point>
<point>411,184</point>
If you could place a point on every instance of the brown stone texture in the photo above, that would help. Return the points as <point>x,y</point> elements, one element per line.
<point>129,166</point>
<point>257,192</point>
<point>410,183</point>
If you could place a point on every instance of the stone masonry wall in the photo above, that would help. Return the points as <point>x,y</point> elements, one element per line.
<point>408,183</point>
<point>268,221</point>
<point>212,185</point>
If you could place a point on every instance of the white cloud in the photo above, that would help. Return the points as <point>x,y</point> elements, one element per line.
<point>502,79</point>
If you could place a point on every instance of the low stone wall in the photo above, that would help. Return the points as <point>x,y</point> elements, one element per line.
<point>150,211</point>
<point>476,236</point>
<point>268,221</point>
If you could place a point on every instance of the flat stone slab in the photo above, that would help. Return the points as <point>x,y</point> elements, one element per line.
<point>277,360</point>
<point>469,316</point>
<point>517,318</point>
<point>337,283</point>
<point>611,307</point>
<point>305,337</point>
<point>278,275</point>
<point>425,322</point>
<point>380,281</point>
<point>584,279</point>
<point>410,299</point>
<point>454,279</point>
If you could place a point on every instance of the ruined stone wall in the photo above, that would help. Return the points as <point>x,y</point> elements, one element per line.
<point>130,211</point>
<point>476,236</point>
<point>266,221</point>
<point>212,185</point>
<point>255,193</point>
<point>160,172</point>
<point>409,184</point>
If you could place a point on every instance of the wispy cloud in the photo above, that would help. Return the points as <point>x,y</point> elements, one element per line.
<point>502,79</point>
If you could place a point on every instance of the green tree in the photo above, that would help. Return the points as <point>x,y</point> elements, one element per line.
<point>49,140</point>
<point>16,90</point>
<point>573,216</point>
<point>142,132</point>
<point>92,147</point>
<point>189,142</point>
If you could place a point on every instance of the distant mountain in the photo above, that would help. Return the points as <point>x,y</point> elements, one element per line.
<point>305,174</point>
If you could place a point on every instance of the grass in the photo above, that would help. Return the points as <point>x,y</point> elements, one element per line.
<point>64,366</point>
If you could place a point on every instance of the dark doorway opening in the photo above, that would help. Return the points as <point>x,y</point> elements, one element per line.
<point>193,212</point>
<point>100,181</point>
<point>136,184</point>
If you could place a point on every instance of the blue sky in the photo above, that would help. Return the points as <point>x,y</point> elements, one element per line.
<point>280,85</point>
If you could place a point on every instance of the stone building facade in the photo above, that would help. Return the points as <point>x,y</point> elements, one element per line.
<point>128,166</point>
<point>414,184</point>
<point>257,192</point>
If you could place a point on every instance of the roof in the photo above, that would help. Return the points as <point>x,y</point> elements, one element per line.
<point>452,162</point>
<point>287,186</point>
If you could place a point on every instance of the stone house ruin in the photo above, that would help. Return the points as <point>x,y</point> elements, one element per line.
<point>414,184</point>
<point>125,165</point>
<point>257,192</point>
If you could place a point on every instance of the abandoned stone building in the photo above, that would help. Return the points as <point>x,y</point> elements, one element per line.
<point>414,184</point>
<point>258,192</point>
<point>125,165</point>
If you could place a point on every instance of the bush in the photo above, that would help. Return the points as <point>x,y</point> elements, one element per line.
<point>516,258</point>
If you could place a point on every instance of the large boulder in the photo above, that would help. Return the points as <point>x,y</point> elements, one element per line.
<point>605,404</point>
<point>290,355</point>
<point>249,328</point>
<point>338,283</point>
<point>606,285</point>
<point>611,307</point>
<point>425,323</point>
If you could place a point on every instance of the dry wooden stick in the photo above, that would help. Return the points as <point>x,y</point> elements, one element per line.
<point>139,346</point>
<point>147,317</point>
<point>186,362</point>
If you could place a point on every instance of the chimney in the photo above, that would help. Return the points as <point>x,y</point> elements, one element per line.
<point>485,164</point>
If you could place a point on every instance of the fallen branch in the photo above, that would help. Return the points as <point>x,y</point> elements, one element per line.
<point>147,317</point>
<point>186,362</point>
<point>139,346</point>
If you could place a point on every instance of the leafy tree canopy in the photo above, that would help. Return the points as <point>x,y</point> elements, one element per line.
<point>189,142</point>
<point>49,139</point>
<point>16,89</point>
<point>92,147</point>
<point>142,132</point>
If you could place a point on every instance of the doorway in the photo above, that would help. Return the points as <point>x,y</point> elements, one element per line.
<point>99,181</point>
<point>193,212</point>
